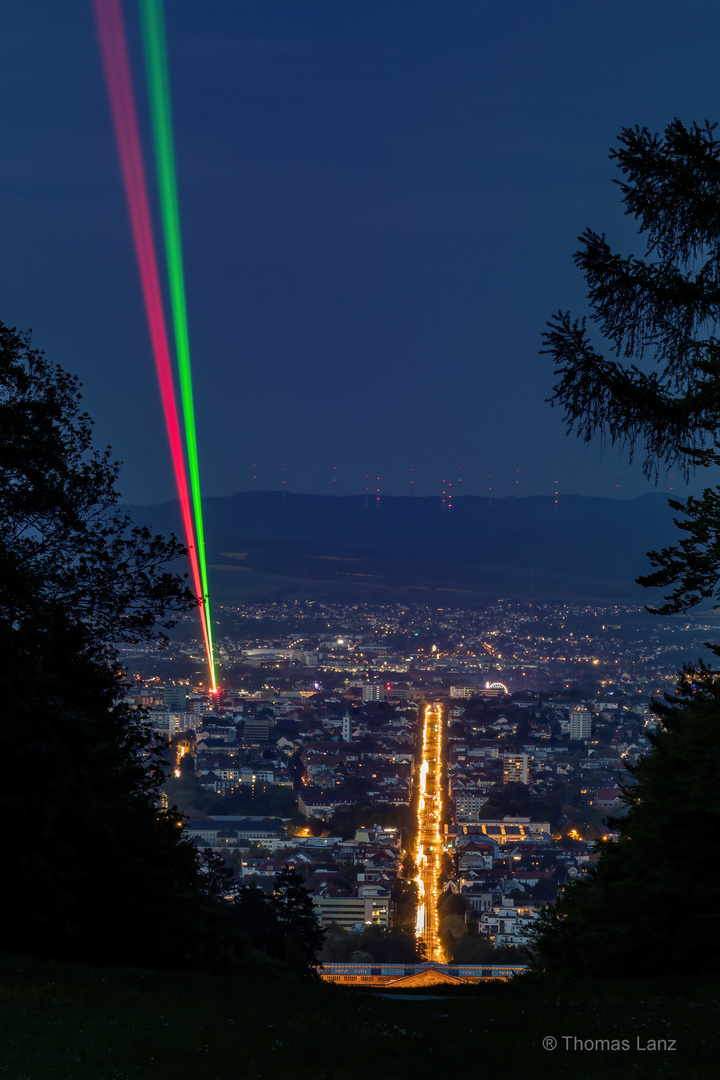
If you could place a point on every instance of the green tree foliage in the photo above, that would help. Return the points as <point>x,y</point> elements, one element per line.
<point>193,800</point>
<point>404,897</point>
<point>630,915</point>
<point>476,948</point>
<point>472,948</point>
<point>451,930</point>
<point>187,793</point>
<point>347,819</point>
<point>451,903</point>
<point>447,868</point>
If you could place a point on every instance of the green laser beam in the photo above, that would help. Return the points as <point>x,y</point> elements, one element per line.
<point>156,67</point>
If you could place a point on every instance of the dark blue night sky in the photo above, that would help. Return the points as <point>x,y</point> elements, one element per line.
<point>380,200</point>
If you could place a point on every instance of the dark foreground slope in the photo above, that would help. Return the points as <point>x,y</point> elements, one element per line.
<point>263,545</point>
<point>70,1022</point>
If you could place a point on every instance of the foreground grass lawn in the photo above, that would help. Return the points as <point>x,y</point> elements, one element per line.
<point>72,1022</point>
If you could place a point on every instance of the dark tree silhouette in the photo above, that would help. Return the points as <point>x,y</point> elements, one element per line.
<point>663,307</point>
<point>659,316</point>
<point>100,870</point>
<point>630,915</point>
<point>301,933</point>
<point>284,925</point>
<point>63,541</point>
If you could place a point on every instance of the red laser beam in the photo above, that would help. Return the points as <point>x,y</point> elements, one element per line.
<point>113,46</point>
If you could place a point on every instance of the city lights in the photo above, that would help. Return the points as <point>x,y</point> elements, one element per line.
<point>429,844</point>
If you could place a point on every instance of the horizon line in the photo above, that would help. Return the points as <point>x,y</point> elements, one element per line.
<point>372,497</point>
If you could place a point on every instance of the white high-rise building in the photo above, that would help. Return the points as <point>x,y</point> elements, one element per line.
<point>580,724</point>
<point>346,728</point>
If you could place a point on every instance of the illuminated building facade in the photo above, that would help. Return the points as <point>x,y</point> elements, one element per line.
<point>351,911</point>
<point>515,768</point>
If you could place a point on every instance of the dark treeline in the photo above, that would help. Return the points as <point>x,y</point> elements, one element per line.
<point>98,868</point>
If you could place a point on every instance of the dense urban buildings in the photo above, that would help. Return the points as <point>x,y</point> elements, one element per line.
<point>312,756</point>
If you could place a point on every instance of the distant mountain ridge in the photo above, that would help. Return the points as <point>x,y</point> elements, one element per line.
<point>273,545</point>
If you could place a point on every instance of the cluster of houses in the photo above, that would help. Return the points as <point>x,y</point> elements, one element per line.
<point>351,881</point>
<point>505,870</point>
<point>333,751</point>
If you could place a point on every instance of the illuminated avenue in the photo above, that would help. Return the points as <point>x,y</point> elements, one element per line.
<point>429,843</point>
<point>324,713</point>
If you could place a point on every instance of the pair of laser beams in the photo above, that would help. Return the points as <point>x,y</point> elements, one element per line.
<point>113,47</point>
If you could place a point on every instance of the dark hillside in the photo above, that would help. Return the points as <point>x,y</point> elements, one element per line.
<point>265,544</point>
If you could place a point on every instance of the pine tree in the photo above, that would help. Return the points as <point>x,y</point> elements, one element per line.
<point>301,933</point>
<point>660,310</point>
<point>659,315</point>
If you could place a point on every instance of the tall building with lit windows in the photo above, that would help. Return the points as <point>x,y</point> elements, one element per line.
<point>515,769</point>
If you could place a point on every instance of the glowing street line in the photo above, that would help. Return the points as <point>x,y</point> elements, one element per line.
<point>111,31</point>
<point>156,67</point>
<point>429,803</point>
